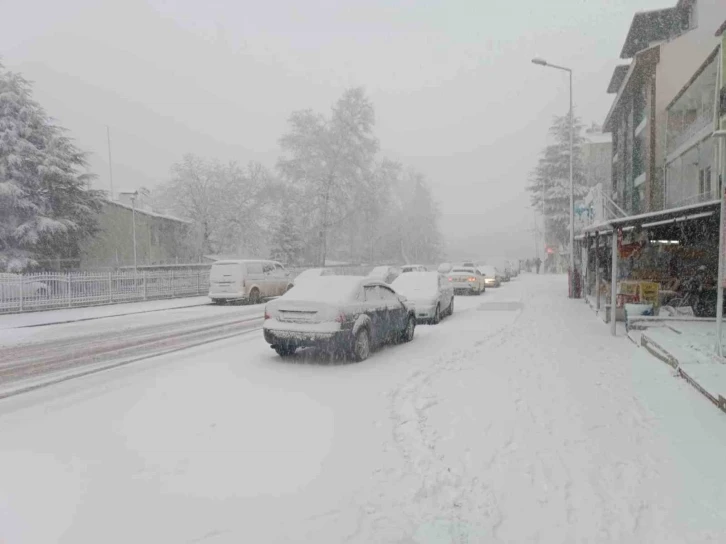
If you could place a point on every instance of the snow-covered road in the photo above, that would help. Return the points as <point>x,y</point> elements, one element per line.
<point>519,419</point>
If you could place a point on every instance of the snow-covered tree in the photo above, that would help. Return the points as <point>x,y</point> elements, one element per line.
<point>550,179</point>
<point>46,206</point>
<point>328,160</point>
<point>287,242</point>
<point>228,204</point>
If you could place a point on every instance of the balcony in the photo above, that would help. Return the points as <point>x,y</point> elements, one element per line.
<point>692,111</point>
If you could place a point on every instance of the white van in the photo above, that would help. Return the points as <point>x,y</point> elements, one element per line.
<point>248,280</point>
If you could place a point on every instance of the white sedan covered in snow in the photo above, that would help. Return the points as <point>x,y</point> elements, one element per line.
<point>312,273</point>
<point>430,294</point>
<point>348,314</point>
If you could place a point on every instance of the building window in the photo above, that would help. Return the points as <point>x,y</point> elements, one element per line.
<point>693,111</point>
<point>704,183</point>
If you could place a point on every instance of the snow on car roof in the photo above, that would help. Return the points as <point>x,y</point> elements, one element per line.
<point>416,281</point>
<point>325,289</point>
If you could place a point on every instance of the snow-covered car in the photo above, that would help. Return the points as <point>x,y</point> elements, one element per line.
<point>385,274</point>
<point>466,279</point>
<point>348,314</point>
<point>312,273</point>
<point>247,280</point>
<point>12,285</point>
<point>491,278</point>
<point>430,294</point>
<point>408,268</point>
<point>444,268</point>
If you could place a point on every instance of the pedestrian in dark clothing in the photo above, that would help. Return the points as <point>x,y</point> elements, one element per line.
<point>538,263</point>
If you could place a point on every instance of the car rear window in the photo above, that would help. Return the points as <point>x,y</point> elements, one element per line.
<point>328,289</point>
<point>463,270</point>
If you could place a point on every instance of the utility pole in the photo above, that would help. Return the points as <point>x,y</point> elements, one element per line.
<point>110,163</point>
<point>133,224</point>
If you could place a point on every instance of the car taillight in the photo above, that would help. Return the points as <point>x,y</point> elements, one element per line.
<point>340,318</point>
<point>472,279</point>
<point>267,315</point>
<point>450,278</point>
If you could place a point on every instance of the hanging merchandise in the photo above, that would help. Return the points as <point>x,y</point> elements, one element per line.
<point>628,250</point>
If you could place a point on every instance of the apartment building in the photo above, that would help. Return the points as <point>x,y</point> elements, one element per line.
<point>661,119</point>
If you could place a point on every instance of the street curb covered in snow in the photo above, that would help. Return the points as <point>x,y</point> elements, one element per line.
<point>662,354</point>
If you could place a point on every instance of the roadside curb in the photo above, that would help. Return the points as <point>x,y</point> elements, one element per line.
<point>663,355</point>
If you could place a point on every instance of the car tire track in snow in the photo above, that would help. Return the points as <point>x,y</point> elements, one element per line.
<point>439,490</point>
<point>31,367</point>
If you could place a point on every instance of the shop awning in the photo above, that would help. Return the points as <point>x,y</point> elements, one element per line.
<point>662,217</point>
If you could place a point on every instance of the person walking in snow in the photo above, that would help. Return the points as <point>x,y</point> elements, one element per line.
<point>537,263</point>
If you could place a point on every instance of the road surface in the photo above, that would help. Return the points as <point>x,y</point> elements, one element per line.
<point>519,419</point>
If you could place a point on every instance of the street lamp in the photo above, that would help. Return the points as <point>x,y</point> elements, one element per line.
<point>542,62</point>
<point>134,195</point>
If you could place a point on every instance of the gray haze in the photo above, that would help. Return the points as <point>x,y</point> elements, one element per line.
<point>454,90</point>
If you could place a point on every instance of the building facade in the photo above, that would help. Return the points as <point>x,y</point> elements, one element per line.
<point>160,239</point>
<point>662,115</point>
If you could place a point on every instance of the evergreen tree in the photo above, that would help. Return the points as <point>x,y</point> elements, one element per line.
<point>46,207</point>
<point>551,178</point>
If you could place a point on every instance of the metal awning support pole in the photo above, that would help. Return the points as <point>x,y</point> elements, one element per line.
<point>614,282</point>
<point>720,136</point>
<point>721,241</point>
<point>597,272</point>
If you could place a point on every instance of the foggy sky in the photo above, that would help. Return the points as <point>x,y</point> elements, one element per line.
<point>455,93</point>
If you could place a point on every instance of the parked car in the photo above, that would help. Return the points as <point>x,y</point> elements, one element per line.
<point>12,285</point>
<point>349,314</point>
<point>430,294</point>
<point>385,274</point>
<point>247,280</point>
<point>467,280</point>
<point>312,273</point>
<point>491,278</point>
<point>413,268</point>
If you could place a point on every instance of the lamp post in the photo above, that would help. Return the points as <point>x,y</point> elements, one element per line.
<point>571,275</point>
<point>133,224</point>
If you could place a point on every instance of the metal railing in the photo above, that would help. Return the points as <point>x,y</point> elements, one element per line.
<point>47,291</point>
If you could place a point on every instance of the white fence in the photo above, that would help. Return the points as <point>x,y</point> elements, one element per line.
<point>47,291</point>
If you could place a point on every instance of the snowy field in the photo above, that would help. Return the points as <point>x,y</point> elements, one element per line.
<point>519,419</point>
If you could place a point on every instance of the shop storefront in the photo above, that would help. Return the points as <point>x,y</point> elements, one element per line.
<point>663,260</point>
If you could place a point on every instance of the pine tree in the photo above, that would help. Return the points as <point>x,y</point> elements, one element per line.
<point>551,178</point>
<point>46,208</point>
<point>287,243</point>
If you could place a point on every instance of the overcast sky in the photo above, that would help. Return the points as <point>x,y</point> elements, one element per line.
<point>455,93</point>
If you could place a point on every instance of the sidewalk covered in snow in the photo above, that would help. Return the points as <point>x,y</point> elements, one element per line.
<point>689,345</point>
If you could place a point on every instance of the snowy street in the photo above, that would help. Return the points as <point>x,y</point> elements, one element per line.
<point>518,419</point>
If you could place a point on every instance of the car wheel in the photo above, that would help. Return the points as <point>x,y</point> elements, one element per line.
<point>450,311</point>
<point>254,296</point>
<point>361,348</point>
<point>408,332</point>
<point>437,316</point>
<point>285,350</point>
